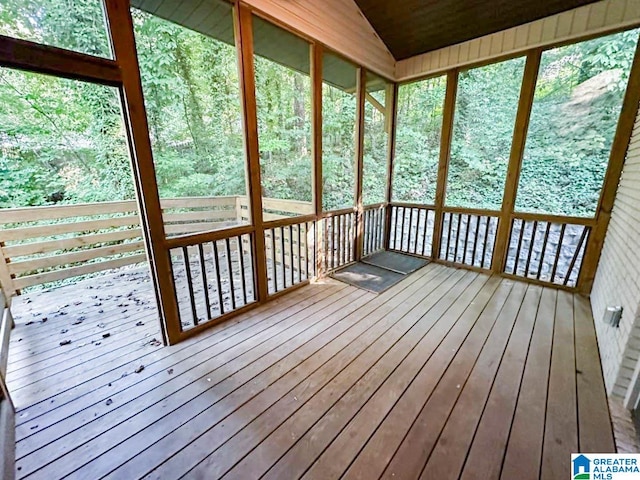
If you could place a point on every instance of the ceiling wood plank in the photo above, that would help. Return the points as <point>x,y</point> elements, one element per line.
<point>413,27</point>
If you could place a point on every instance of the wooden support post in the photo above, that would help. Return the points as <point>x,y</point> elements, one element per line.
<point>243,26</point>
<point>527,92</point>
<point>392,112</point>
<point>123,43</point>
<point>316,112</point>
<point>443,164</point>
<point>612,177</point>
<point>361,88</point>
<point>6,280</point>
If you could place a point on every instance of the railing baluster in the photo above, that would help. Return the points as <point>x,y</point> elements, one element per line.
<point>230,271</point>
<point>205,282</point>
<point>253,274</point>
<point>544,250</point>
<point>241,259</point>
<point>352,236</point>
<point>192,300</point>
<point>475,240</point>
<point>416,248</point>
<point>424,231</point>
<point>575,255</point>
<point>382,215</point>
<point>376,229</point>
<point>410,229</point>
<point>343,227</point>
<point>404,211</point>
<point>372,231</point>
<point>466,240</point>
<point>532,242</point>
<point>291,255</point>
<point>523,226</point>
<point>367,235</point>
<point>335,237</point>
<point>485,239</point>
<point>273,260</point>
<point>282,258</point>
<point>559,250</point>
<point>299,253</point>
<point>396,231</point>
<point>449,226</point>
<point>458,229</point>
<point>315,249</point>
<point>326,249</point>
<point>393,226</point>
<point>218,280</point>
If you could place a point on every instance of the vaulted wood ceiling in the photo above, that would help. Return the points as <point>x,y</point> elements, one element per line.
<point>412,27</point>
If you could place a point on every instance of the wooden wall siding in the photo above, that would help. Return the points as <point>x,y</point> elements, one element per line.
<point>338,24</point>
<point>617,281</point>
<point>593,19</point>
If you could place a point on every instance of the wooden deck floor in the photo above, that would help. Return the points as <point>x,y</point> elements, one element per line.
<point>449,374</point>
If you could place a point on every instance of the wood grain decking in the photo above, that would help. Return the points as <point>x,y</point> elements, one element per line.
<point>449,374</point>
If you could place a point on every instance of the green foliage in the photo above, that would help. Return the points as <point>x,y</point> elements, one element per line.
<point>418,131</point>
<point>486,107</point>
<point>575,113</point>
<point>64,141</point>
<point>375,150</point>
<point>338,147</point>
<point>283,99</point>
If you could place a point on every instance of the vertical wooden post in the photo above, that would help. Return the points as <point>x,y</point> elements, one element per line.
<point>527,92</point>
<point>361,88</point>
<point>612,177</point>
<point>123,43</point>
<point>443,163</point>
<point>316,125</point>
<point>392,109</point>
<point>243,26</point>
<point>6,280</point>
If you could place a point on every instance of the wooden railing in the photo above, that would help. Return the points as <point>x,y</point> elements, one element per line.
<point>290,246</point>
<point>373,228</point>
<point>468,237</point>
<point>213,278</point>
<point>547,249</point>
<point>338,239</point>
<point>39,245</point>
<point>412,229</point>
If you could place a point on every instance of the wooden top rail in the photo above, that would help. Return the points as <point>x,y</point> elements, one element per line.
<point>279,205</point>
<point>52,212</point>
<point>373,206</point>
<point>544,217</point>
<point>204,237</point>
<point>337,213</point>
<point>413,205</point>
<point>285,222</point>
<point>472,211</point>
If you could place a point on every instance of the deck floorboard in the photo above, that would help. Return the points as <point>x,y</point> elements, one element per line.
<point>448,374</point>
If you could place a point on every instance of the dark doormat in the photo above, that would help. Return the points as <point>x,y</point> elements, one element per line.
<point>396,262</point>
<point>368,277</point>
<point>379,271</point>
